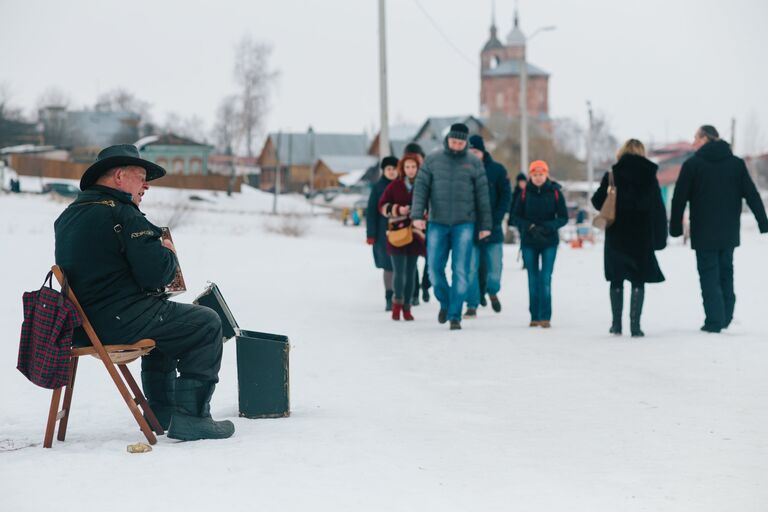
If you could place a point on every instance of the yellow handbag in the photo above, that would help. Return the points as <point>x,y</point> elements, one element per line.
<point>400,237</point>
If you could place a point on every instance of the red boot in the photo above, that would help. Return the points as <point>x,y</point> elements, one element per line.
<point>396,309</point>
<point>407,312</point>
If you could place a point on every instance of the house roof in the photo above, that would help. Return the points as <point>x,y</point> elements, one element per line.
<point>441,125</point>
<point>168,139</point>
<point>339,164</point>
<point>512,68</point>
<point>304,148</point>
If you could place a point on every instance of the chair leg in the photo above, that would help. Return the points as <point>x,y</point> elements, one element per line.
<point>53,411</point>
<point>149,414</point>
<point>67,407</point>
<point>137,414</point>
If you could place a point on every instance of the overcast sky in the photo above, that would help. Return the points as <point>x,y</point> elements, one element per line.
<point>656,68</point>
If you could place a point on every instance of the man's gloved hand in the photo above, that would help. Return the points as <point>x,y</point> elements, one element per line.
<point>370,241</point>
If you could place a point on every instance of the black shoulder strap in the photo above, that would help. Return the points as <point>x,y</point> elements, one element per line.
<point>118,228</point>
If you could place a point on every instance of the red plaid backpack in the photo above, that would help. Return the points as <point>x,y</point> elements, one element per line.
<point>46,335</point>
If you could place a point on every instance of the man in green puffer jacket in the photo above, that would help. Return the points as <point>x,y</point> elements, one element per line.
<point>453,187</point>
<point>116,263</point>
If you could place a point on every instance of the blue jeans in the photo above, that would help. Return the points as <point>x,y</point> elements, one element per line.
<point>491,254</point>
<point>443,239</point>
<point>540,263</point>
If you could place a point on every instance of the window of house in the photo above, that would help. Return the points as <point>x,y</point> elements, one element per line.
<point>196,166</point>
<point>178,166</point>
<point>500,100</point>
<point>162,162</point>
<point>494,62</point>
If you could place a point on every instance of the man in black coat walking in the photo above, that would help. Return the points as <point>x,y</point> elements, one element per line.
<point>486,265</point>
<point>715,182</point>
<point>116,261</point>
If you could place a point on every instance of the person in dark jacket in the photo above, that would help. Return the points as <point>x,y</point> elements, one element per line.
<point>116,263</point>
<point>539,213</point>
<point>452,184</point>
<point>395,204</point>
<point>715,183</point>
<point>485,269</point>
<point>376,226</point>
<point>640,229</point>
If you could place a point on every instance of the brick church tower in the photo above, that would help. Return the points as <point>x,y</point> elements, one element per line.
<point>500,78</point>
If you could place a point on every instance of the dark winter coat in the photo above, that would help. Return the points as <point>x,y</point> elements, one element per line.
<point>112,271</point>
<point>539,213</point>
<point>516,193</point>
<point>397,194</point>
<point>500,195</point>
<point>715,182</point>
<point>453,186</point>
<point>641,222</point>
<point>376,225</point>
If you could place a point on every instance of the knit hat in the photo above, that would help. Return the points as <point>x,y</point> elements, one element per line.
<point>476,142</point>
<point>521,177</point>
<point>458,131</point>
<point>387,161</point>
<point>538,166</point>
<point>414,147</point>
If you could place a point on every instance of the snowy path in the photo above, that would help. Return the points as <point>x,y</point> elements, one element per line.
<point>403,417</point>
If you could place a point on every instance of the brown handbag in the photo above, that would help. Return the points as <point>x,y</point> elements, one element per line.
<point>607,215</point>
<point>400,237</point>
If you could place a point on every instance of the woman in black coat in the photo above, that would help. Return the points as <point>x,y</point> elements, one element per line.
<point>376,225</point>
<point>639,230</point>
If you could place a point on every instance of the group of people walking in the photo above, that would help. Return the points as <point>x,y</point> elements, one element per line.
<point>453,203</point>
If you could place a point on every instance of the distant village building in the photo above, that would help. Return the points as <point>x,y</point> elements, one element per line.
<point>177,155</point>
<point>294,155</point>
<point>500,66</point>
<point>17,133</point>
<point>342,171</point>
<point>88,128</point>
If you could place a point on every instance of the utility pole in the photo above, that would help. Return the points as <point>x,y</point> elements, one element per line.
<point>384,115</point>
<point>733,132</point>
<point>523,113</point>
<point>311,171</point>
<point>277,173</point>
<point>590,138</point>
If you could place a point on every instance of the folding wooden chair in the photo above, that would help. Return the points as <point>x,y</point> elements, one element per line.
<point>111,356</point>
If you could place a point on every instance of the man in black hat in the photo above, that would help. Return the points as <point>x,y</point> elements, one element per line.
<point>116,262</point>
<point>453,186</point>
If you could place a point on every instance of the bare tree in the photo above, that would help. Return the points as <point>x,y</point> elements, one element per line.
<point>752,138</point>
<point>254,79</point>
<point>604,143</point>
<point>53,97</point>
<point>192,127</point>
<point>226,130</point>
<point>7,110</point>
<point>121,100</point>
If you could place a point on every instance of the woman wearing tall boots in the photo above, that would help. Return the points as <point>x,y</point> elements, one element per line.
<point>376,226</point>
<point>395,205</point>
<point>640,229</point>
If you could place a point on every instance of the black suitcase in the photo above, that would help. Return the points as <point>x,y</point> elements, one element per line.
<point>262,362</point>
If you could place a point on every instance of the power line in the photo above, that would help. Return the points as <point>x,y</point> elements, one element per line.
<point>444,35</point>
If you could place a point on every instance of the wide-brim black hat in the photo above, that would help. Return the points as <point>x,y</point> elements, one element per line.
<point>119,155</point>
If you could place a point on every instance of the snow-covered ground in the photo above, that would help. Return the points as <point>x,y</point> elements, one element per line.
<point>403,417</point>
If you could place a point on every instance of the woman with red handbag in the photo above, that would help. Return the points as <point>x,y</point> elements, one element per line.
<point>404,243</point>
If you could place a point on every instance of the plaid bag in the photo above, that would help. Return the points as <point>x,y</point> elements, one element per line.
<point>46,335</point>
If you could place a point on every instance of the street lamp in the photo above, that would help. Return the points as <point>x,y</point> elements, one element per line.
<point>524,98</point>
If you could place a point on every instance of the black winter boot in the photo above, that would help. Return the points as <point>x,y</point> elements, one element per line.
<point>159,391</point>
<point>192,419</point>
<point>635,311</point>
<point>617,309</point>
<point>388,298</point>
